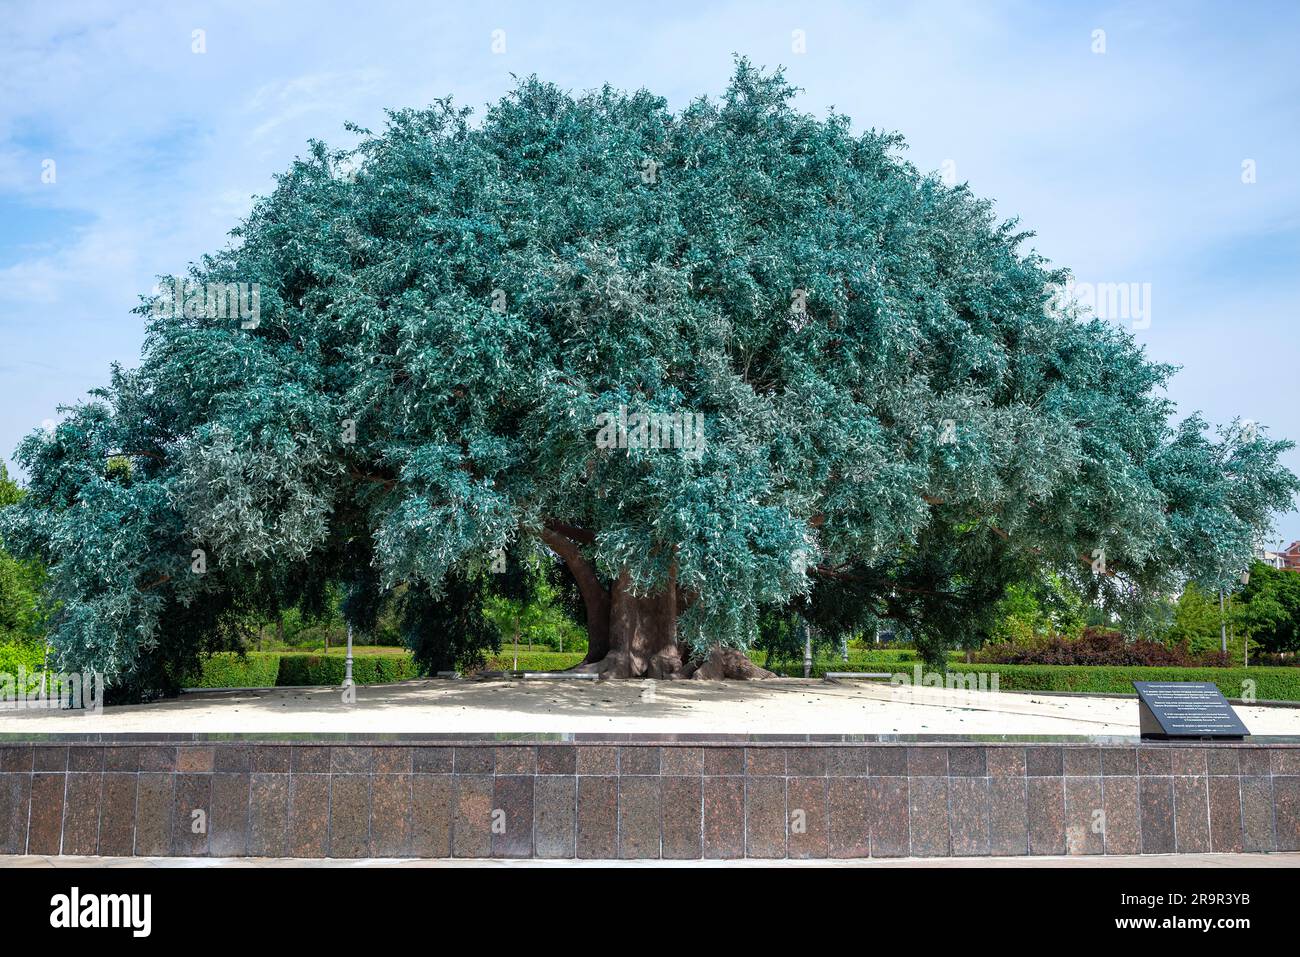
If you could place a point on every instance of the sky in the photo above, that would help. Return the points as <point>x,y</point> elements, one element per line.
<point>1155,145</point>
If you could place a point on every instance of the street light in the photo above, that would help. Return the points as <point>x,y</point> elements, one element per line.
<point>347,662</point>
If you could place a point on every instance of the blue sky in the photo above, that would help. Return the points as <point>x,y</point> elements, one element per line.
<point>1126,163</point>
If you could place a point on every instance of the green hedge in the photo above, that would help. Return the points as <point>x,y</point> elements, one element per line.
<point>366,669</point>
<point>29,656</point>
<point>535,660</point>
<point>1271,684</point>
<point>256,669</point>
<point>265,669</point>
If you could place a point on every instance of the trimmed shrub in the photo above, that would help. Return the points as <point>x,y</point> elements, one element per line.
<point>229,669</point>
<point>299,670</point>
<point>1100,646</point>
<point>22,654</point>
<point>1270,684</point>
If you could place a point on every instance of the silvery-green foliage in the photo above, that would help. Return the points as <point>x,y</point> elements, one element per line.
<point>471,295</point>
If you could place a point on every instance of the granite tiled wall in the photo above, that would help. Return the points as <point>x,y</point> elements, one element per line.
<point>646,800</point>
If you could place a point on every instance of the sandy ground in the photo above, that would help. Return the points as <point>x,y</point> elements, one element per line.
<point>791,706</point>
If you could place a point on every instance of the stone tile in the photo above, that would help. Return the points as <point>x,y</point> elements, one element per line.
<point>15,802</point>
<point>516,760</point>
<point>117,815</point>
<point>724,817</point>
<point>1044,761</point>
<point>16,758</point>
<point>471,834</point>
<point>555,813</point>
<point>927,762</point>
<point>88,758</point>
<point>1257,813</point>
<point>968,818</point>
<point>1123,819</point>
<point>310,759</point>
<point>887,762</point>
<point>1225,812</point>
<point>850,816</point>
<point>190,831</point>
<point>1008,814</point>
<point>682,761</point>
<point>155,811</point>
<point>847,762</point>
<point>968,762</point>
<point>1046,809</point>
<point>809,833</point>
<point>724,761</point>
<point>433,797</point>
<point>268,812</point>
<point>122,758</point>
<point>597,814</point>
<point>1005,762</point>
<point>391,800</point>
<point>233,758</point>
<point>155,757</point>
<point>1191,814</point>
<point>1286,804</point>
<point>1084,812</point>
<point>1081,762</point>
<point>1285,761</point>
<point>349,814</point>
<point>230,812</point>
<point>1188,761</point>
<point>928,808</point>
<point>309,821</point>
<point>392,760</point>
<point>1156,808</point>
<point>81,813</point>
<point>638,759</point>
<point>682,798</point>
<point>268,759</point>
<point>805,762</point>
<point>431,760</point>
<point>888,799</point>
<point>50,758</point>
<point>474,760</point>
<point>765,816</point>
<point>598,759</point>
<point>1155,762</point>
<point>1119,762</point>
<point>557,759</point>
<point>640,815</point>
<point>194,759</point>
<point>1222,761</point>
<point>352,759</point>
<point>764,761</point>
<point>512,815</point>
<point>1254,761</point>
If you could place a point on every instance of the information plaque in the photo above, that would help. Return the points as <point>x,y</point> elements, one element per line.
<point>1186,709</point>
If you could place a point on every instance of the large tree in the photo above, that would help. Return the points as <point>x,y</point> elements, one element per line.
<point>898,418</point>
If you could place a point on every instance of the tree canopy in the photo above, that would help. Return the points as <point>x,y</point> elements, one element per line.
<point>896,421</point>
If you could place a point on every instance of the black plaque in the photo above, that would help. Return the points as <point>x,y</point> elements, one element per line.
<point>1186,709</point>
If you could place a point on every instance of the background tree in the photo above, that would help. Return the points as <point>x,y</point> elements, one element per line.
<point>1269,608</point>
<point>899,416</point>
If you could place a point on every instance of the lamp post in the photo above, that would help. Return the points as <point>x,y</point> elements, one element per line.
<point>347,662</point>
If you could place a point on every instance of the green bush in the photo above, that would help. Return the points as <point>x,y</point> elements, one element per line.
<point>25,654</point>
<point>1271,684</point>
<point>535,660</point>
<point>228,669</point>
<point>300,669</point>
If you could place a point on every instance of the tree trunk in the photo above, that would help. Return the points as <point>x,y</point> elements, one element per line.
<point>635,636</point>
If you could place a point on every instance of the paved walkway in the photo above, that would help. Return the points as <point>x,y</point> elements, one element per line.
<point>1147,860</point>
<point>788,706</point>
